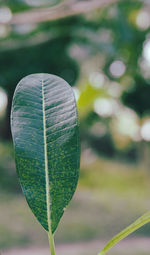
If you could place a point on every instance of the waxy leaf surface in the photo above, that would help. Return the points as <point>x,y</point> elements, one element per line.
<point>46,139</point>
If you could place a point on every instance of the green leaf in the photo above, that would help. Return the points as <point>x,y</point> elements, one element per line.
<point>127,231</point>
<point>45,133</point>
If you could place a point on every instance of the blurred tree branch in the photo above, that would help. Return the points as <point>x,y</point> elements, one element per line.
<point>65,9</point>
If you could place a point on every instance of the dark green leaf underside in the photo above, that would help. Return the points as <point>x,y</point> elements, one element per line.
<point>46,139</point>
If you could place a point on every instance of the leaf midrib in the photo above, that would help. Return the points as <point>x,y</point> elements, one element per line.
<point>46,160</point>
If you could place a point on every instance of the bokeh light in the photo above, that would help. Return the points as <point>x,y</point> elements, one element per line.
<point>105,107</point>
<point>3,100</point>
<point>117,68</point>
<point>145,130</point>
<point>97,79</point>
<point>146,51</point>
<point>127,123</point>
<point>5,15</point>
<point>143,20</point>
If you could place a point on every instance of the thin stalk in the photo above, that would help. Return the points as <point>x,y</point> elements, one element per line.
<point>51,242</point>
<point>130,229</point>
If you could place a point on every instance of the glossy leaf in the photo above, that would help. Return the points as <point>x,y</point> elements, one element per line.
<point>46,139</point>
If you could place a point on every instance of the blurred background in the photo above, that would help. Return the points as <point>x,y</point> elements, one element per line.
<point>102,49</point>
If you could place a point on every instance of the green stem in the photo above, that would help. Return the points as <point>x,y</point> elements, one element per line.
<point>130,229</point>
<point>51,242</point>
